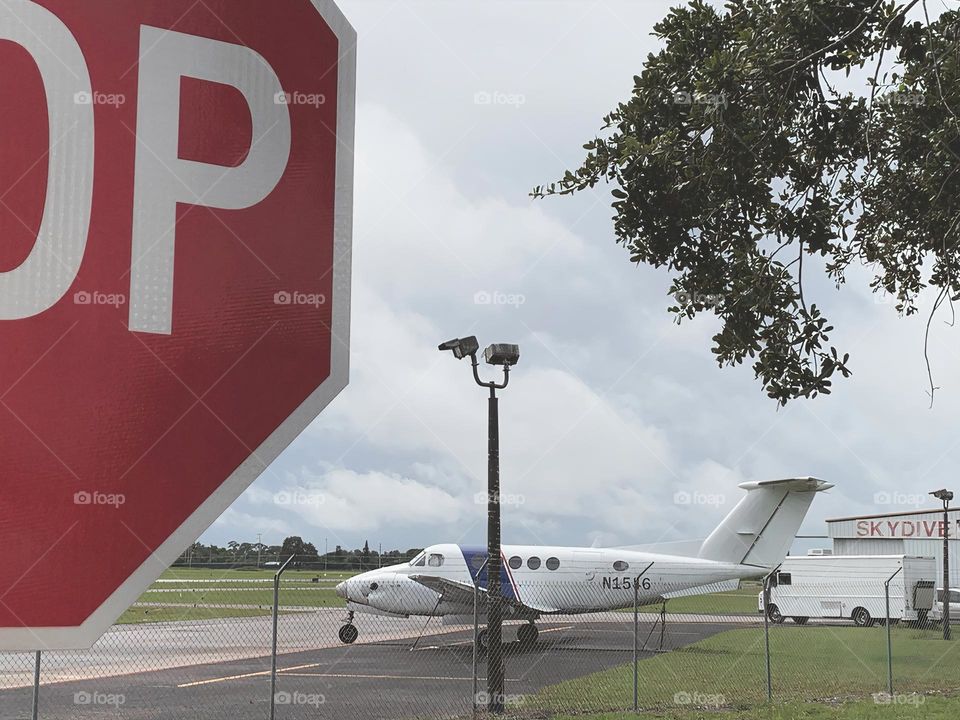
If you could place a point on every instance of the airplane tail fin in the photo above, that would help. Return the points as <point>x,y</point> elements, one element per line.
<point>760,529</point>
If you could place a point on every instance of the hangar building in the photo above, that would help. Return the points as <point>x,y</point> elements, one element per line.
<point>918,532</point>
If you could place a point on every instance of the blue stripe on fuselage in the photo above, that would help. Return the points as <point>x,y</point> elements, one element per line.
<point>476,559</point>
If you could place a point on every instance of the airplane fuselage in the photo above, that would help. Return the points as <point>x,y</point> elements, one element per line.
<point>535,580</point>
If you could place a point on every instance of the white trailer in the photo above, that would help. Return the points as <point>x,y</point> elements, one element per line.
<point>852,587</point>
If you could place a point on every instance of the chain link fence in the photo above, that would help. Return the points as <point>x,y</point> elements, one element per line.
<point>192,649</point>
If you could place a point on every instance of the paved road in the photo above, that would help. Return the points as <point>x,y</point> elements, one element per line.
<point>383,679</point>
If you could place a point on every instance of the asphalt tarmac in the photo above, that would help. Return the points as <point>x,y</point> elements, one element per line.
<point>378,677</point>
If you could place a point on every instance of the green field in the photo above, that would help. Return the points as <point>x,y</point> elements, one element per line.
<point>225,594</point>
<point>809,664</point>
<point>932,708</point>
<point>729,602</point>
<point>319,596</point>
<point>182,573</point>
<point>225,588</point>
<point>137,615</point>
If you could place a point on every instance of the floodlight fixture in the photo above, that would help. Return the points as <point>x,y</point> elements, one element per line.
<point>461,347</point>
<point>502,354</point>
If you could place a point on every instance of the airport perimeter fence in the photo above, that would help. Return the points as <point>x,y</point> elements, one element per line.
<point>193,650</point>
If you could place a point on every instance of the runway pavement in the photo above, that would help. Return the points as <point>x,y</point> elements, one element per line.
<point>384,678</point>
<point>129,649</point>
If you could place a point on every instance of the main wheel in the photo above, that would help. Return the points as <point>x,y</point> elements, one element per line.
<point>482,640</point>
<point>348,634</point>
<point>527,634</point>
<point>861,618</point>
<point>800,620</point>
<point>774,614</point>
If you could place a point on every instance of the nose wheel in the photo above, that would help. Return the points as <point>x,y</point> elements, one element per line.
<point>527,635</point>
<point>349,633</point>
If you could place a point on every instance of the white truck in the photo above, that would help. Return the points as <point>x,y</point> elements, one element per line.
<point>852,587</point>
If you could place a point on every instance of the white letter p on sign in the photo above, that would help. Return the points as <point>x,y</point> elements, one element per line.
<point>162,179</point>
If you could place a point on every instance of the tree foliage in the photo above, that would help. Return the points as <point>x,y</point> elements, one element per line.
<point>738,155</point>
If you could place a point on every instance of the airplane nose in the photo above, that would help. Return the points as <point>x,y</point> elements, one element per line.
<point>341,590</point>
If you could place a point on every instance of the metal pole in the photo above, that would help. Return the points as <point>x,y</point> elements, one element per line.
<point>946,569</point>
<point>766,634</point>
<point>495,672</point>
<point>636,631</point>
<point>886,599</point>
<point>36,686</point>
<point>476,633</point>
<point>273,654</point>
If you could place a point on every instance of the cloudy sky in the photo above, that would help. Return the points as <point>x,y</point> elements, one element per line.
<point>618,427</point>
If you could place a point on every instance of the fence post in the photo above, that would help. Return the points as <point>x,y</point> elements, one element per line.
<point>36,686</point>
<point>636,630</point>
<point>766,632</point>
<point>476,633</point>
<point>273,653</point>
<point>886,599</point>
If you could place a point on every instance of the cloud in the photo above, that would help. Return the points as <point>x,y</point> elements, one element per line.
<point>613,408</point>
<point>342,499</point>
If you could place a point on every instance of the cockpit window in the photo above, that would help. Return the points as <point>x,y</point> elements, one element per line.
<point>419,560</point>
<point>436,560</point>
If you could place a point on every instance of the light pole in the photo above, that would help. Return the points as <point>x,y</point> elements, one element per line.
<point>946,496</point>
<point>259,547</point>
<point>505,356</point>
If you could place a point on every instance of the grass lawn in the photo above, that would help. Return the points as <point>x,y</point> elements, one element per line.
<point>319,596</point>
<point>728,671</point>
<point>245,587</point>
<point>729,602</point>
<point>136,615</point>
<point>931,708</point>
<point>182,573</point>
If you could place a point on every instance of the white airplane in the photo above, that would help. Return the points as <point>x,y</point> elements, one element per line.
<point>537,581</point>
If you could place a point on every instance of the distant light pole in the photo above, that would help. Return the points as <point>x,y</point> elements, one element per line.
<point>505,356</point>
<point>946,496</point>
<point>259,547</point>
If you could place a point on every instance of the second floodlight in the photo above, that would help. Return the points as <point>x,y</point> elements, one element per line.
<point>502,354</point>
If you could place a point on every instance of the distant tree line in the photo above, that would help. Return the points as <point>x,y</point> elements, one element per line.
<point>244,554</point>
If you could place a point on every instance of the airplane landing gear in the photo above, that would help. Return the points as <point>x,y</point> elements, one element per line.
<point>349,633</point>
<point>527,635</point>
<point>482,640</point>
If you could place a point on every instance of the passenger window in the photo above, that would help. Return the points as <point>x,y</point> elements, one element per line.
<point>620,566</point>
<point>516,561</point>
<point>436,560</point>
<point>553,563</point>
<point>533,563</point>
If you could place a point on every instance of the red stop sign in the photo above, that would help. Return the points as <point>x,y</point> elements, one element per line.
<point>175,208</point>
